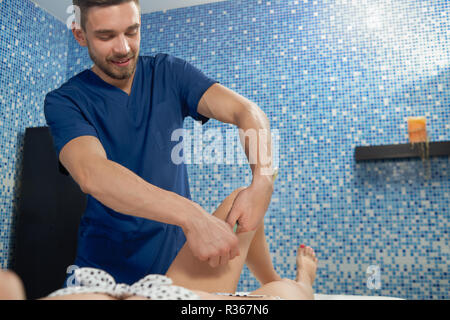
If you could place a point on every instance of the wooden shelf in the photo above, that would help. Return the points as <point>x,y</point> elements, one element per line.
<point>400,151</point>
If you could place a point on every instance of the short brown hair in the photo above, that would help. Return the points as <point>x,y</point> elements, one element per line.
<point>85,5</point>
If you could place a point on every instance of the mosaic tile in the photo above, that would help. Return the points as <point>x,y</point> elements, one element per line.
<point>33,61</point>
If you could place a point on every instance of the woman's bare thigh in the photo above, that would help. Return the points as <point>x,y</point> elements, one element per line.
<point>211,296</point>
<point>189,272</point>
<point>82,296</point>
<point>286,289</point>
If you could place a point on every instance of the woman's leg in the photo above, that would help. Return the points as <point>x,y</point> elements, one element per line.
<point>189,272</point>
<point>11,287</point>
<point>259,260</point>
<point>301,287</point>
<point>82,296</point>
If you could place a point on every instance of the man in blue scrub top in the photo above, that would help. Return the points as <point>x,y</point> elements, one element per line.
<point>112,127</point>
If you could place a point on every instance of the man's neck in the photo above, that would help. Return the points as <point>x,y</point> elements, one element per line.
<point>124,85</point>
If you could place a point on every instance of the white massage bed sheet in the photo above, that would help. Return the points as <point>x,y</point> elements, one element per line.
<point>318,296</point>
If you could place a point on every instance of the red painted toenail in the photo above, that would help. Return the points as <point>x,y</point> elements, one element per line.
<point>302,246</point>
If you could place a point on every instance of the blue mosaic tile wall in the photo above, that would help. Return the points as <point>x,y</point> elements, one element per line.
<point>33,54</point>
<point>330,75</point>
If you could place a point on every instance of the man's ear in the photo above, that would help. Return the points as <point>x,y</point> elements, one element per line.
<point>79,34</point>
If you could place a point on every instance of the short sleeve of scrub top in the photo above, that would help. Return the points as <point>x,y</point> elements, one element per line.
<point>192,84</point>
<point>65,120</point>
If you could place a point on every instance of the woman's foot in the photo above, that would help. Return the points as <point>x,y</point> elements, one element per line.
<point>306,265</point>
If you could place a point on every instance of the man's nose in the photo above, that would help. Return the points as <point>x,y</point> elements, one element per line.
<point>121,47</point>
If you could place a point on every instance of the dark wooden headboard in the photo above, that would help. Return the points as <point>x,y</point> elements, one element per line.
<point>50,207</point>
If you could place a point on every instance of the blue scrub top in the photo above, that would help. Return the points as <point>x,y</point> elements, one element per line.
<point>135,131</point>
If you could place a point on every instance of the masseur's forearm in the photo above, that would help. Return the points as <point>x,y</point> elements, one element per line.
<point>259,156</point>
<point>251,204</point>
<point>123,191</point>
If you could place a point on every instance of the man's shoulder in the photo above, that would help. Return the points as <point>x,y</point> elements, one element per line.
<point>162,59</point>
<point>68,88</point>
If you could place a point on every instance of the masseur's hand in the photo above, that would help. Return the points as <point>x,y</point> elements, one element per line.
<point>251,204</point>
<point>210,239</point>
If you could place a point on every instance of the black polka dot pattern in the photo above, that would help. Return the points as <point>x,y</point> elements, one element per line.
<point>246,295</point>
<point>154,286</point>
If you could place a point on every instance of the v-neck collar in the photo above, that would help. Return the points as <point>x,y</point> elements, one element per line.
<point>102,82</point>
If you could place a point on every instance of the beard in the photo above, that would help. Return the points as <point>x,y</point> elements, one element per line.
<point>113,71</point>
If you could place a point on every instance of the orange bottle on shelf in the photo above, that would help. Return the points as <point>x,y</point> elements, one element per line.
<point>417,129</point>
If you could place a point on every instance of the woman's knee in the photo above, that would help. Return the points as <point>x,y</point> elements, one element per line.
<point>9,278</point>
<point>11,286</point>
<point>224,208</point>
<point>302,291</point>
<point>236,191</point>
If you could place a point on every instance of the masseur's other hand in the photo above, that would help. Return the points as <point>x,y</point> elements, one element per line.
<point>210,239</point>
<point>251,204</point>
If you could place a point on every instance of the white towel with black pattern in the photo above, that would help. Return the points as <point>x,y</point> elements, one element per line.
<point>154,286</point>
